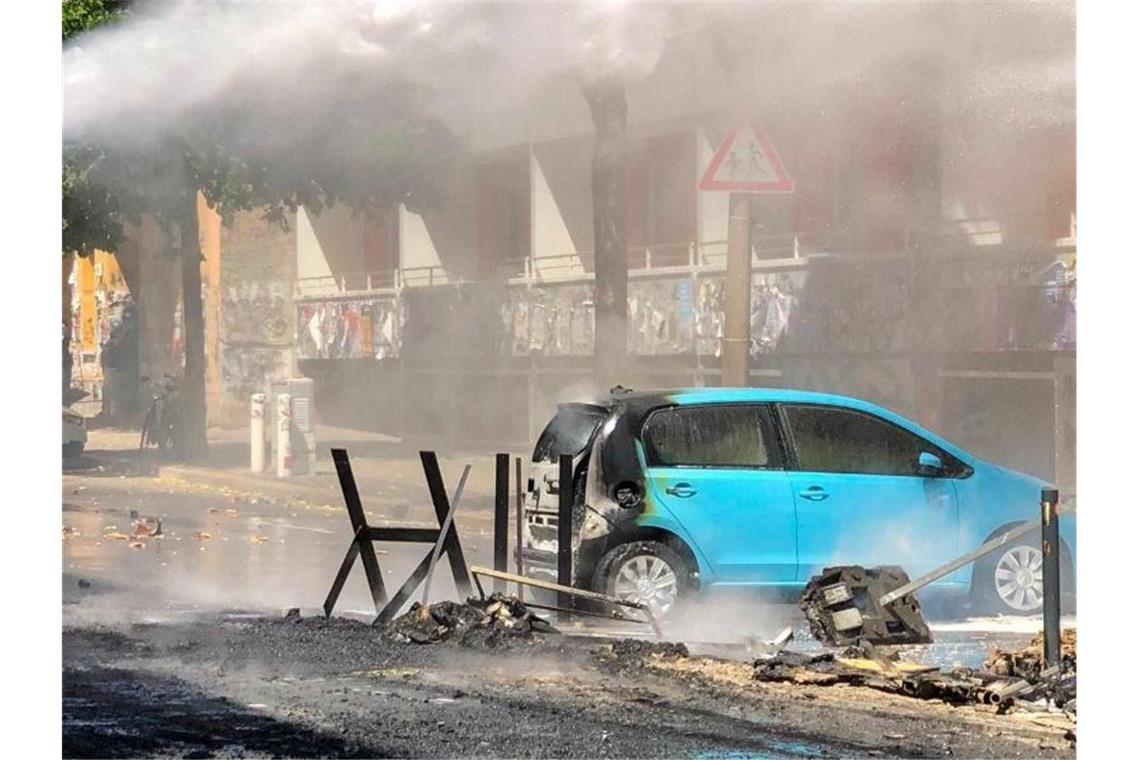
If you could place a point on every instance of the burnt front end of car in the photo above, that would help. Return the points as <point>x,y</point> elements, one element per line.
<point>571,432</point>
<point>609,497</point>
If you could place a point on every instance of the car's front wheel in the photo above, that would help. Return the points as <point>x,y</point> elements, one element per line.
<point>649,572</point>
<point>1009,581</point>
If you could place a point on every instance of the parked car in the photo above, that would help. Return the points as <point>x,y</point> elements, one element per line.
<point>682,490</point>
<point>74,433</point>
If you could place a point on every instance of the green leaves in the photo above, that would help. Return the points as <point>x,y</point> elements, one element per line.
<point>341,132</point>
<point>82,15</point>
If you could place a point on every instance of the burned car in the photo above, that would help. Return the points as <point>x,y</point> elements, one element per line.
<point>676,491</point>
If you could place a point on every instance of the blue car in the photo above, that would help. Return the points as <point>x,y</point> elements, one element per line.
<point>677,491</point>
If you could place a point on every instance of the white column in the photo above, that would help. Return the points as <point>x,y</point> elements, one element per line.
<point>257,432</point>
<point>284,437</point>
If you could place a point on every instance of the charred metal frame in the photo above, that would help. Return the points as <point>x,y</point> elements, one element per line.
<point>364,535</point>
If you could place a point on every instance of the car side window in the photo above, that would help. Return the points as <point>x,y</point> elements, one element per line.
<point>831,439</point>
<point>724,435</point>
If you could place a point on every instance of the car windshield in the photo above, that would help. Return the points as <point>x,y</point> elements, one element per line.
<point>569,432</point>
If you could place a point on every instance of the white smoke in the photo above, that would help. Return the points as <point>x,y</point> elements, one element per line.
<point>147,74</point>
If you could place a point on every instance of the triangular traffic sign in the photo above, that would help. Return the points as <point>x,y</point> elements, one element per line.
<point>746,162</point>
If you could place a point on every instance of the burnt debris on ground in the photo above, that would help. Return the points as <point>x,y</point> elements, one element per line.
<point>628,654</point>
<point>1011,681</point>
<point>493,622</point>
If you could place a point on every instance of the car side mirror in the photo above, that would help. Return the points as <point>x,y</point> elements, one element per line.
<point>929,465</point>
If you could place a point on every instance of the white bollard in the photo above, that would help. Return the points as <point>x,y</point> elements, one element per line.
<point>257,432</point>
<point>284,438</point>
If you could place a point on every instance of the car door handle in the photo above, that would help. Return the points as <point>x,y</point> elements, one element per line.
<point>814,493</point>
<point>681,490</point>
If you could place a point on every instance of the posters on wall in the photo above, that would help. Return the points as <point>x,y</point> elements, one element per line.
<point>832,307</point>
<point>366,329</point>
<point>775,299</point>
<point>549,321</point>
<point>661,316</point>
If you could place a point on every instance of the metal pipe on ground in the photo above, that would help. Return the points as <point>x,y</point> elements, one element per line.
<point>995,696</point>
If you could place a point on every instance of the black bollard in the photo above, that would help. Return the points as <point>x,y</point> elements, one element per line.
<point>502,513</point>
<point>1051,575</point>
<point>565,519</point>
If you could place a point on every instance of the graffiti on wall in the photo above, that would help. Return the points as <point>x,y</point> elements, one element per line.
<point>248,369</point>
<point>256,312</point>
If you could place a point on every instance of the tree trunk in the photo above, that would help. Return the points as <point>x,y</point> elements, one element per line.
<point>68,262</point>
<point>193,392</point>
<point>611,267</point>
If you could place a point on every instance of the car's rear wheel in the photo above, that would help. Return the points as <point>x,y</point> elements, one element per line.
<point>649,572</point>
<point>73,449</point>
<point>1009,581</point>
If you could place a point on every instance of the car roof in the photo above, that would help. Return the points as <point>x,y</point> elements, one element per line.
<point>730,395</point>
<point>661,397</point>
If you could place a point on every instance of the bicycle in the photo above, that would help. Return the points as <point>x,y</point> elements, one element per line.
<point>160,427</point>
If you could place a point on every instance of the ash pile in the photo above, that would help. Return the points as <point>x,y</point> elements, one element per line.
<point>497,621</point>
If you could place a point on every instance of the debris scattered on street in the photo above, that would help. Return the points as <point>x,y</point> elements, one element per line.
<point>634,653</point>
<point>490,622</point>
<point>257,538</point>
<point>142,528</point>
<point>202,535</point>
<point>1029,688</point>
<point>1028,662</point>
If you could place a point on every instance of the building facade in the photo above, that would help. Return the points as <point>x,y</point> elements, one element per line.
<point>926,260</point>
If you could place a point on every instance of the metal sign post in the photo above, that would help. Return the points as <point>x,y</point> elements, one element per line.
<point>745,162</point>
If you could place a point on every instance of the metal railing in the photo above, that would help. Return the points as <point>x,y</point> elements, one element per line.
<point>768,252</point>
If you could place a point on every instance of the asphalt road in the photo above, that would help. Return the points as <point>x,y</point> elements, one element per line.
<point>174,644</point>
